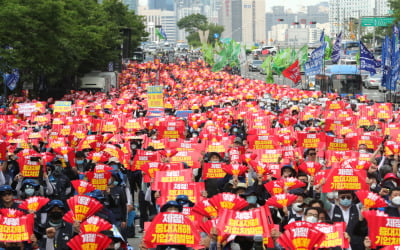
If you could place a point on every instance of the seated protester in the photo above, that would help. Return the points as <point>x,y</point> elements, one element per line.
<point>184,201</point>
<point>61,183</point>
<point>7,197</point>
<point>117,242</point>
<point>287,170</point>
<point>31,187</point>
<point>105,213</point>
<point>253,198</point>
<point>56,232</point>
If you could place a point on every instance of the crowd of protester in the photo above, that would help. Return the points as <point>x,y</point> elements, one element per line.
<point>220,108</point>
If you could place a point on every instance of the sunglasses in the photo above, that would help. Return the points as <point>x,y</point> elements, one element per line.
<point>346,197</point>
<point>312,154</point>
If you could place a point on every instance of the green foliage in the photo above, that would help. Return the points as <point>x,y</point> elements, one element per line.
<point>195,22</point>
<point>59,39</point>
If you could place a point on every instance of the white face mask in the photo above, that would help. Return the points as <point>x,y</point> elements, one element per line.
<point>396,201</point>
<point>296,207</point>
<point>363,151</point>
<point>311,219</point>
<point>373,186</point>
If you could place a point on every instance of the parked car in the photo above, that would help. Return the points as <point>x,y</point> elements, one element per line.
<point>373,82</point>
<point>271,49</point>
<point>255,65</point>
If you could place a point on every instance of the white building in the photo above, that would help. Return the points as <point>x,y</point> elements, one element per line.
<point>341,12</point>
<point>167,20</point>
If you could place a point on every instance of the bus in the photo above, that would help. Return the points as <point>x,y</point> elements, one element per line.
<point>345,80</point>
<point>349,47</point>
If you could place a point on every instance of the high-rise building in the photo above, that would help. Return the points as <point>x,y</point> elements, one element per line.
<point>161,4</point>
<point>243,20</point>
<point>167,20</point>
<point>343,12</point>
<point>317,14</point>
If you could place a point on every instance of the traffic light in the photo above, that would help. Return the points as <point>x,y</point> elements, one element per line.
<point>313,22</point>
<point>281,20</point>
<point>295,23</point>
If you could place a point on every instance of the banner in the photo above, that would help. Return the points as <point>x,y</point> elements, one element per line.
<point>62,107</point>
<point>155,97</point>
<point>30,168</point>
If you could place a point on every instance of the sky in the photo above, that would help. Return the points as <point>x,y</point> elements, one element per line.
<point>295,5</point>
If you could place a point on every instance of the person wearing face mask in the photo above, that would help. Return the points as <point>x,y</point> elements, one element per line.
<point>116,201</point>
<point>81,164</point>
<point>55,233</point>
<point>312,214</point>
<point>393,210</point>
<point>211,184</point>
<point>295,212</point>
<point>28,188</point>
<point>344,210</point>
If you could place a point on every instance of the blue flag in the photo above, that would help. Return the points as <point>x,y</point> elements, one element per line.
<point>314,65</point>
<point>11,79</point>
<point>336,49</point>
<point>367,60</point>
<point>322,37</point>
<point>163,33</point>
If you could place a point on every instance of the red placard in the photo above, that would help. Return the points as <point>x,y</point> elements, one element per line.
<point>262,142</point>
<point>17,229</point>
<point>213,170</point>
<point>191,158</point>
<point>171,228</point>
<point>384,231</point>
<point>183,175</point>
<point>169,191</point>
<point>29,168</point>
<point>344,179</point>
<point>257,221</point>
<point>337,144</point>
<point>334,234</point>
<point>310,140</point>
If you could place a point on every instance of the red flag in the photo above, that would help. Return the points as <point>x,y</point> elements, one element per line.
<point>293,72</point>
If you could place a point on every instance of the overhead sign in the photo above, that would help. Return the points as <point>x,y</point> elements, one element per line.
<point>376,21</point>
